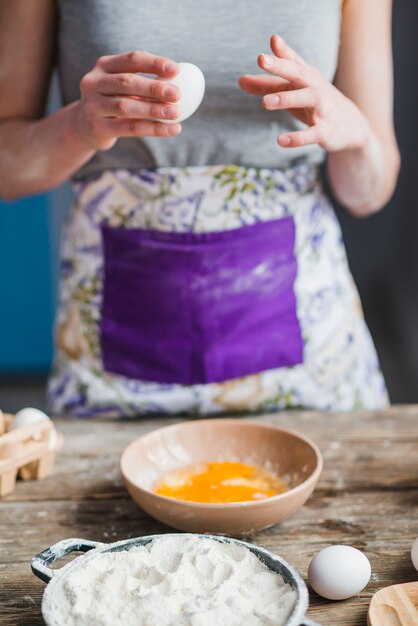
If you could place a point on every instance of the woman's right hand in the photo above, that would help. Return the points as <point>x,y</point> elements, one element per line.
<point>117,102</point>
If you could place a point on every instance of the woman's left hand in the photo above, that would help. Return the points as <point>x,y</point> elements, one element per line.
<point>334,121</point>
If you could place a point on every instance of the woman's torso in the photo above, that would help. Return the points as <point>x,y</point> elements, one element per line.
<point>223,39</point>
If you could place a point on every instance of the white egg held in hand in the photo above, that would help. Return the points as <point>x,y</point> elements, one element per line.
<point>27,416</point>
<point>339,572</point>
<point>191,82</point>
<point>414,554</point>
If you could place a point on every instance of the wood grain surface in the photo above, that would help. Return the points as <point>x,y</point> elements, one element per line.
<point>396,605</point>
<point>367,497</point>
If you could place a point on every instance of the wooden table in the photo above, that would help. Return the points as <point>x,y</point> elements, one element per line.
<point>367,497</point>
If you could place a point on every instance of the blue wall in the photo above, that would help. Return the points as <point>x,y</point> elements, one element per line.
<point>26,285</point>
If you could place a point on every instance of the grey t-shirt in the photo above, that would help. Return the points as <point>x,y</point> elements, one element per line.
<point>224,39</point>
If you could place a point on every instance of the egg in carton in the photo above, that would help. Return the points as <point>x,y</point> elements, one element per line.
<point>29,444</point>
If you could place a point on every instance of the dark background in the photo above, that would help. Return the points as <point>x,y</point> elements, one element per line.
<point>382,251</point>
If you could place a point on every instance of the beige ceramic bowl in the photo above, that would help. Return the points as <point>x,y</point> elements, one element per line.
<point>292,456</point>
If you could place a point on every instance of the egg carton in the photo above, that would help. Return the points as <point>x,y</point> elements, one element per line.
<point>28,452</point>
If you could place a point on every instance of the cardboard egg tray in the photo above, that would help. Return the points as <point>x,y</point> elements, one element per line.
<point>25,452</point>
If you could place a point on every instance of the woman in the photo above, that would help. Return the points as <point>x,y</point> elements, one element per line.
<point>203,268</point>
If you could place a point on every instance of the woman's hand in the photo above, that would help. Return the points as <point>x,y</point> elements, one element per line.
<point>117,102</point>
<point>334,122</point>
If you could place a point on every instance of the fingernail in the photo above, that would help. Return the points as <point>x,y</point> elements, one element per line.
<point>285,141</point>
<point>169,66</point>
<point>171,112</point>
<point>170,92</point>
<point>272,101</point>
<point>267,60</point>
<point>279,39</point>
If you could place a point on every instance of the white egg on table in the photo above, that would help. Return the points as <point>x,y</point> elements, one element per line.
<point>414,554</point>
<point>30,415</point>
<point>191,82</point>
<point>339,572</point>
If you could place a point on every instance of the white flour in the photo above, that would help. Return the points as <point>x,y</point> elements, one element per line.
<point>175,581</point>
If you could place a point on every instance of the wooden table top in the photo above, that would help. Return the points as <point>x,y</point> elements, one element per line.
<point>367,497</point>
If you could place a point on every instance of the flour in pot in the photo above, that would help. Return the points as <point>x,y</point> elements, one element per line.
<point>174,581</point>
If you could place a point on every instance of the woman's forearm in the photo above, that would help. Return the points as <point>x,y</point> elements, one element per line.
<point>351,120</point>
<point>363,178</point>
<point>38,155</point>
<point>115,102</point>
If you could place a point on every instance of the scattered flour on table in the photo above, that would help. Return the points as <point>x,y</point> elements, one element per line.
<point>177,581</point>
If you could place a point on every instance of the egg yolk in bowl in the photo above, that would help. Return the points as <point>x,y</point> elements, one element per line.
<point>220,482</point>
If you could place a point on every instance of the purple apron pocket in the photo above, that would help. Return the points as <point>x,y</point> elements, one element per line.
<point>194,308</point>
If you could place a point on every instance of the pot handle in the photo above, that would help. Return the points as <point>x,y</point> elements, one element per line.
<point>40,562</point>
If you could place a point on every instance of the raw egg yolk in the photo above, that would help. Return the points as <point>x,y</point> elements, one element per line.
<point>220,482</point>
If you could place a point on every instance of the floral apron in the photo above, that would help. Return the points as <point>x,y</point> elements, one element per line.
<point>207,290</point>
